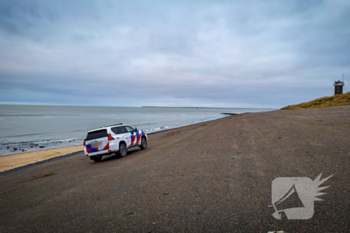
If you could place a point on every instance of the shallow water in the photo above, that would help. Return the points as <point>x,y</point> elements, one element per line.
<point>31,127</point>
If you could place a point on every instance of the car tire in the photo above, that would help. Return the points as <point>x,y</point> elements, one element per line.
<point>123,151</point>
<point>96,158</point>
<point>143,143</point>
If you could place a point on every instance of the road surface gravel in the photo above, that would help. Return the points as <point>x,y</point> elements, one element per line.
<point>214,176</point>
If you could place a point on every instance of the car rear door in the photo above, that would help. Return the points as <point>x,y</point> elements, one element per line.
<point>122,134</point>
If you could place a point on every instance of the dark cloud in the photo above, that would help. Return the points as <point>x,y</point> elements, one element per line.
<point>26,18</point>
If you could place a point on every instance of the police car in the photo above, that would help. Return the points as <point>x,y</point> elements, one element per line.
<point>111,139</point>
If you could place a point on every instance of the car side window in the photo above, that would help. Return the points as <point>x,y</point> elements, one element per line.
<point>119,130</point>
<point>129,129</point>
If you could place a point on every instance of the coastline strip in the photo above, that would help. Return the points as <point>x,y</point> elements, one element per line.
<point>22,160</point>
<point>38,163</point>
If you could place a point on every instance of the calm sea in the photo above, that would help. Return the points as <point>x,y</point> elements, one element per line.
<point>30,128</point>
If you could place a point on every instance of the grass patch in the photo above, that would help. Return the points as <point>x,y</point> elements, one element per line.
<point>335,100</point>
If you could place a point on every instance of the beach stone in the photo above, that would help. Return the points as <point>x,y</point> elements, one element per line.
<point>41,146</point>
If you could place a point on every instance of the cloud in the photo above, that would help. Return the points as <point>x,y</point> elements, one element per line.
<point>227,53</point>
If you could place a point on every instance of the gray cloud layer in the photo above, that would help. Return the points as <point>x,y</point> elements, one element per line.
<point>202,53</point>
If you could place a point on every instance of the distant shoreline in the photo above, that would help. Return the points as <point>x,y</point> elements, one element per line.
<point>202,107</point>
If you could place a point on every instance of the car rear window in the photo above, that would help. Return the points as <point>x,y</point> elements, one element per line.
<point>96,134</point>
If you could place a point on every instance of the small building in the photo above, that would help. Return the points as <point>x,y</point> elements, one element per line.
<point>338,87</point>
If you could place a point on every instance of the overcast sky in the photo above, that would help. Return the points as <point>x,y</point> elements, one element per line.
<point>172,53</point>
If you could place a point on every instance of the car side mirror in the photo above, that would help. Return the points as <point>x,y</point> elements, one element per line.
<point>135,130</point>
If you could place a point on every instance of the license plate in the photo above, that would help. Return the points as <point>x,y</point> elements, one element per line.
<point>96,144</point>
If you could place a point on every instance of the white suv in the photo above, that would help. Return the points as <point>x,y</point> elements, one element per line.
<point>113,139</point>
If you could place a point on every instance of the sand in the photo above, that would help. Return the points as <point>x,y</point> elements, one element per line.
<point>210,177</point>
<point>8,162</point>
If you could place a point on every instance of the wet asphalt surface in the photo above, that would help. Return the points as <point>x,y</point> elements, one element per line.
<point>209,177</point>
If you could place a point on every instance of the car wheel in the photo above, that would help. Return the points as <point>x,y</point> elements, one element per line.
<point>96,158</point>
<point>143,143</point>
<point>122,150</point>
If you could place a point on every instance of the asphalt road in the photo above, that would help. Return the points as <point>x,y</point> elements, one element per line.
<point>209,177</point>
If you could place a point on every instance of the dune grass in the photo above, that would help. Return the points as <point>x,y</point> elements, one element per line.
<point>335,100</point>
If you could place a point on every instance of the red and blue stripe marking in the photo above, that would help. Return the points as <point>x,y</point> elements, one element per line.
<point>91,149</point>
<point>136,136</point>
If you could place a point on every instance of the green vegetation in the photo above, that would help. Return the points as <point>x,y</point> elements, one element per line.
<point>335,100</point>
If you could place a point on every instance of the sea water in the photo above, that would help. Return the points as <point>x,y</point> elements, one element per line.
<point>35,127</point>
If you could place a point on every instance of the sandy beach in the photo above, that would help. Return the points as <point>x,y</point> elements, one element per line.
<point>8,162</point>
<point>214,176</point>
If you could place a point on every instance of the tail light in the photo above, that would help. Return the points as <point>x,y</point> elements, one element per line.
<point>110,137</point>
<point>84,142</point>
